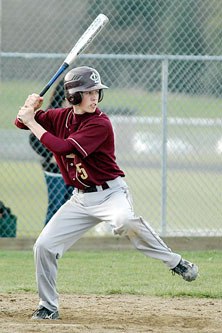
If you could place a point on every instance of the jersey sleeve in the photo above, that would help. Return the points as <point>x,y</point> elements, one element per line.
<point>42,117</point>
<point>57,145</point>
<point>45,119</point>
<point>20,125</point>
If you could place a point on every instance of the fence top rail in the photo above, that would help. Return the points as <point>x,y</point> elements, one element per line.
<point>112,56</point>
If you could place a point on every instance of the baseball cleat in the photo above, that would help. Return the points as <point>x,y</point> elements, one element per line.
<point>43,313</point>
<point>187,270</point>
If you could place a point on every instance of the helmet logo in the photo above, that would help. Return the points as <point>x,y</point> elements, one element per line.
<point>95,77</point>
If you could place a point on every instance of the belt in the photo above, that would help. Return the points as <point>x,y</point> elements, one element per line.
<point>94,188</point>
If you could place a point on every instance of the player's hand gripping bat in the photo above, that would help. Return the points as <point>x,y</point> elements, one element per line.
<point>93,30</point>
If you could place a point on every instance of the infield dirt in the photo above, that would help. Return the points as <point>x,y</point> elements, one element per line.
<point>113,314</point>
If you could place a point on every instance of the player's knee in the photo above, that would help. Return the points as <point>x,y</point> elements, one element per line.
<point>40,246</point>
<point>127,226</point>
<point>122,224</point>
<point>44,248</point>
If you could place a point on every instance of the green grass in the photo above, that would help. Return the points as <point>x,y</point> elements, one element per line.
<point>194,201</point>
<point>113,272</point>
<point>25,192</point>
<point>188,206</point>
<point>13,95</point>
<point>144,103</point>
<point>149,104</point>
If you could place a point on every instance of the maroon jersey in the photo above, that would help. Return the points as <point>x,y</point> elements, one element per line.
<point>83,145</point>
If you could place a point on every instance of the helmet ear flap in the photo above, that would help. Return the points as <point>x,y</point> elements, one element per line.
<point>75,98</point>
<point>100,95</point>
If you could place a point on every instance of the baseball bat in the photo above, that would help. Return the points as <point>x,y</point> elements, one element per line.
<point>93,30</point>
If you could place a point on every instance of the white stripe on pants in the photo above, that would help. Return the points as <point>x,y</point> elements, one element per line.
<point>82,212</point>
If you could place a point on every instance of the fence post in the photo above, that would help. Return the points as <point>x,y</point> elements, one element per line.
<point>164,147</point>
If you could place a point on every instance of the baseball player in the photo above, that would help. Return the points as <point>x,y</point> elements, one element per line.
<point>82,140</point>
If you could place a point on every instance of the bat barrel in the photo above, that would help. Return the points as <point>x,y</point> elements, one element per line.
<point>92,31</point>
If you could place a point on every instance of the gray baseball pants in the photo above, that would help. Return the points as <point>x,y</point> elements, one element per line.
<point>82,212</point>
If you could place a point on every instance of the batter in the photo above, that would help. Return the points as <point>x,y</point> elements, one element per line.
<point>82,140</point>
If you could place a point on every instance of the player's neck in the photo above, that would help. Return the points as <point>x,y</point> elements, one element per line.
<point>78,110</point>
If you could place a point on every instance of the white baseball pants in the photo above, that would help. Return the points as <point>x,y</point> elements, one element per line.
<point>82,212</point>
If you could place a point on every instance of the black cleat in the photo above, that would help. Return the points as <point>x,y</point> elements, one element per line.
<point>187,270</point>
<point>43,313</point>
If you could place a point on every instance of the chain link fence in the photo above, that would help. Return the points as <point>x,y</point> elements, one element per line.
<point>163,65</point>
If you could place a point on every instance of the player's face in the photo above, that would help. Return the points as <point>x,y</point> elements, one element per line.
<point>89,101</point>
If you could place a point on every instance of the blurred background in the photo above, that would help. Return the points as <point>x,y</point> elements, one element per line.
<point>162,61</point>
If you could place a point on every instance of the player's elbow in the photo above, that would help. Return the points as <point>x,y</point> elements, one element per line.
<point>62,150</point>
<point>56,145</point>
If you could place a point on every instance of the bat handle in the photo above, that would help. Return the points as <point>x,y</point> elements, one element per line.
<point>61,69</point>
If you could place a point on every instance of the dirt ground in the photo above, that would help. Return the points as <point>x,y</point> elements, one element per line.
<point>113,314</point>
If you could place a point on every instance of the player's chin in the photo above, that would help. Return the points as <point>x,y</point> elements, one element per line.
<point>92,108</point>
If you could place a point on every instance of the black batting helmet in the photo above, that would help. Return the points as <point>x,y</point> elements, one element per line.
<point>82,79</point>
